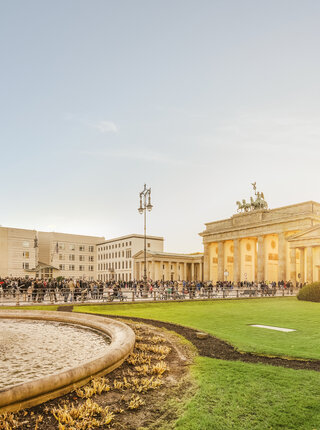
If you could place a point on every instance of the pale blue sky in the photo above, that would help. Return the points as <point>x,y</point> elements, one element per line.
<point>196,98</point>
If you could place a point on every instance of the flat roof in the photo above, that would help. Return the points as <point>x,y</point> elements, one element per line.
<point>175,254</point>
<point>130,236</point>
<point>70,234</point>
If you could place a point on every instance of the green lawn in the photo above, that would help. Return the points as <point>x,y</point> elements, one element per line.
<point>230,320</point>
<point>241,396</point>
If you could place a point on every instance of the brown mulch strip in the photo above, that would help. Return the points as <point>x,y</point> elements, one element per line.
<point>66,308</point>
<point>217,348</point>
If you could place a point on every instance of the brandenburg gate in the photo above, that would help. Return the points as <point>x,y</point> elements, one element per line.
<point>259,244</point>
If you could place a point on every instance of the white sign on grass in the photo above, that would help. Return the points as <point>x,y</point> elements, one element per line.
<point>270,327</point>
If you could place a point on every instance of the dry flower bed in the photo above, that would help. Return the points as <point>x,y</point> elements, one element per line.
<point>132,396</point>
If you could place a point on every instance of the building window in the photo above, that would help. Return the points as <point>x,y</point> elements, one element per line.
<point>61,246</point>
<point>61,256</point>
<point>126,264</point>
<point>148,245</point>
<point>91,248</point>
<point>82,258</point>
<point>130,266</point>
<point>26,254</point>
<point>122,244</point>
<point>130,243</point>
<point>91,268</point>
<point>72,247</point>
<point>61,266</point>
<point>25,265</point>
<point>71,266</point>
<point>81,248</point>
<point>71,257</point>
<point>25,244</point>
<point>81,268</point>
<point>91,258</point>
<point>126,243</point>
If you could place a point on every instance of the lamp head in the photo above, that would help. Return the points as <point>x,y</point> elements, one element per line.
<point>140,210</point>
<point>149,207</point>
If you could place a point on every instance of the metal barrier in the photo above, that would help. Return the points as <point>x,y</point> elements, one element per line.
<point>60,296</point>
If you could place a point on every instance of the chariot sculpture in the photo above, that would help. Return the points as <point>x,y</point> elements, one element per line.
<point>255,204</point>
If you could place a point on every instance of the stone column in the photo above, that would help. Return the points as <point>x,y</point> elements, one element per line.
<point>261,252</point>
<point>140,270</point>
<point>302,258</point>
<point>221,261</point>
<point>176,271</point>
<point>282,257</point>
<point>293,270</point>
<point>309,264</point>
<point>167,271</point>
<point>183,271</point>
<point>200,271</point>
<point>192,272</point>
<point>206,262</point>
<point>153,270</point>
<point>188,272</point>
<point>236,260</point>
<point>136,274</point>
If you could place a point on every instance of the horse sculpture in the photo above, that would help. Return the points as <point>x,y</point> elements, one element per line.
<point>258,203</point>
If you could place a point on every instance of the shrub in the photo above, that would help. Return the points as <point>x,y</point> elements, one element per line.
<point>310,292</point>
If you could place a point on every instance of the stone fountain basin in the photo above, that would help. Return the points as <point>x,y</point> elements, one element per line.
<point>49,387</point>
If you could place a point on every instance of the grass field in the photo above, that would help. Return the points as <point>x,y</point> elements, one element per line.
<point>241,396</point>
<point>230,320</point>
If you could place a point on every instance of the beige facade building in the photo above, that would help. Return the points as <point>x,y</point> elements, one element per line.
<point>47,254</point>
<point>17,251</point>
<point>260,244</point>
<point>68,255</point>
<point>168,266</point>
<point>115,256</point>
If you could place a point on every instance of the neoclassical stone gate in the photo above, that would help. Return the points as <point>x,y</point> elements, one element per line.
<point>262,244</point>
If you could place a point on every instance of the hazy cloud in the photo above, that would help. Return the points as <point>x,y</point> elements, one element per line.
<point>265,132</point>
<point>105,126</point>
<point>140,155</point>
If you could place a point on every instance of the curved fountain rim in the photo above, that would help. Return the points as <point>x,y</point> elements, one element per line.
<point>42,389</point>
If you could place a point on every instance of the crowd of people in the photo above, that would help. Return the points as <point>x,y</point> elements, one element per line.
<point>70,290</point>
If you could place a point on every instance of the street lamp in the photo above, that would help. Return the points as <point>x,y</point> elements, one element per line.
<point>144,195</point>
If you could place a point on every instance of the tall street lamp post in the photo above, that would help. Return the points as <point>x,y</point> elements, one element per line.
<point>144,205</point>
